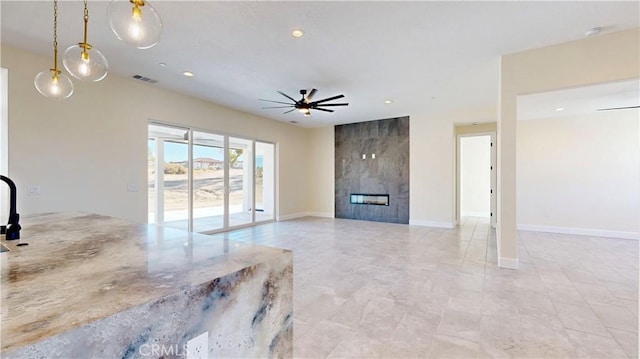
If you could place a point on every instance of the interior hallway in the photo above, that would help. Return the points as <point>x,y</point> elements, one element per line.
<point>367,289</point>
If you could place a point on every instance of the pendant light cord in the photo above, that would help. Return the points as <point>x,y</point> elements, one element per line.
<point>86,22</point>
<point>55,38</point>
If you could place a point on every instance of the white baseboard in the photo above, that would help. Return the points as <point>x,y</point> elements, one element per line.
<point>580,231</point>
<point>415,222</point>
<point>287,217</point>
<point>321,214</point>
<point>508,263</point>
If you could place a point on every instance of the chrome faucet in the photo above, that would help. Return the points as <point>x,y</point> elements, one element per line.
<point>12,229</point>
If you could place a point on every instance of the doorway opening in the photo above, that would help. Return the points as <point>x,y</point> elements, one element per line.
<point>578,162</point>
<point>476,176</point>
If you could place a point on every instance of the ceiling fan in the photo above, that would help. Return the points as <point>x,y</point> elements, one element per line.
<point>305,104</point>
<point>617,108</point>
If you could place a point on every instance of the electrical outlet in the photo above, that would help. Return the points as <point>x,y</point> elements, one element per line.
<point>33,190</point>
<point>198,347</point>
<point>132,187</point>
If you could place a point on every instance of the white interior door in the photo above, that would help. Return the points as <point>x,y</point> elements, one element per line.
<point>476,176</point>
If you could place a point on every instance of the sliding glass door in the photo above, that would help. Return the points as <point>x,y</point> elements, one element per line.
<point>207,182</point>
<point>265,176</point>
<point>240,184</point>
<point>168,170</point>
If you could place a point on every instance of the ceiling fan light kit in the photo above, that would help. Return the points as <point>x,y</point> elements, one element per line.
<point>305,104</point>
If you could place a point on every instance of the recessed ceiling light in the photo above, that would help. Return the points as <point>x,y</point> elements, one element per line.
<point>163,64</point>
<point>388,101</point>
<point>297,33</point>
<point>560,109</point>
<point>188,73</point>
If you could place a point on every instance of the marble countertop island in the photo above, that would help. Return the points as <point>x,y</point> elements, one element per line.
<point>88,285</point>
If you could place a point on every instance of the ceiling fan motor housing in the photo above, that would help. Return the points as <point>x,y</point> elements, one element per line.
<point>305,103</point>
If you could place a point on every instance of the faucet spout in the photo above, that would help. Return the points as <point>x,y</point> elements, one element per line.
<point>12,229</point>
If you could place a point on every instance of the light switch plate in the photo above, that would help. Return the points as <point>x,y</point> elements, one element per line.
<point>132,187</point>
<point>33,190</point>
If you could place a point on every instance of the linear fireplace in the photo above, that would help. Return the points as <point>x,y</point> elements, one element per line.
<point>374,199</point>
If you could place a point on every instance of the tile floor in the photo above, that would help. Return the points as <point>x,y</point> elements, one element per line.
<point>210,223</point>
<point>375,290</point>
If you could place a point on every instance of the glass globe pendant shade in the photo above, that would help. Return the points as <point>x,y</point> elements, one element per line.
<point>88,65</point>
<point>135,22</point>
<point>53,84</point>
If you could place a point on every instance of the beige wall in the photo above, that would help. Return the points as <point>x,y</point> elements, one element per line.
<point>321,194</point>
<point>480,128</point>
<point>592,60</point>
<point>580,174</point>
<point>83,151</point>
<point>432,142</point>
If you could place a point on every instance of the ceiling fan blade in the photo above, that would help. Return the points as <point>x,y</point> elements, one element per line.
<point>278,106</point>
<point>293,109</point>
<point>285,103</point>
<point>618,108</point>
<point>334,104</point>
<point>328,99</point>
<point>323,109</point>
<point>287,96</point>
<point>310,95</point>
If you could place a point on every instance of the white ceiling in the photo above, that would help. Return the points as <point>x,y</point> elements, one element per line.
<point>580,100</point>
<point>427,57</point>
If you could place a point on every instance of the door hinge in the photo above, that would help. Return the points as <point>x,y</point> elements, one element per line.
<point>491,168</point>
<point>491,144</point>
<point>491,214</point>
<point>491,191</point>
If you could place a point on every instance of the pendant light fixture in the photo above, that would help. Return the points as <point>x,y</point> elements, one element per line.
<point>82,60</point>
<point>135,22</point>
<point>53,83</point>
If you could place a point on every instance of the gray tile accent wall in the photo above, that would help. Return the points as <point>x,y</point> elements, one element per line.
<point>388,173</point>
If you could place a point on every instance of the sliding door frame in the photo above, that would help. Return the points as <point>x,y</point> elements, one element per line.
<point>273,189</point>
<point>226,185</point>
